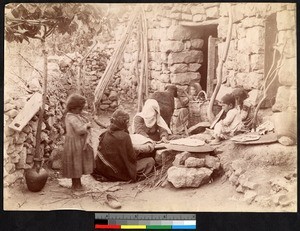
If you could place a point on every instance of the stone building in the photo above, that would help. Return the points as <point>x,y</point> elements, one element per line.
<point>185,43</point>
<point>182,38</point>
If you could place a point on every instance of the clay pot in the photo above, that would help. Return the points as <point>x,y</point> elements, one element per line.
<point>286,126</point>
<point>36,177</point>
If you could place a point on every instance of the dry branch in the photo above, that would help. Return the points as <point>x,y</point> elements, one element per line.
<point>210,114</point>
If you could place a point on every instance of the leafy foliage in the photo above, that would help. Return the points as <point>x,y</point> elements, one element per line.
<point>39,20</point>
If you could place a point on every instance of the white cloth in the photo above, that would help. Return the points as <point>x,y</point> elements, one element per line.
<point>151,115</point>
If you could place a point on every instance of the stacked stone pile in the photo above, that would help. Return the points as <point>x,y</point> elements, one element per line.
<point>19,146</point>
<point>251,171</point>
<point>192,170</point>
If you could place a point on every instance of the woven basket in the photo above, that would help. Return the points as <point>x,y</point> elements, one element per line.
<point>198,110</point>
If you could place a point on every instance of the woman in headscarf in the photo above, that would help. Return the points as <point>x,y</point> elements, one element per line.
<point>149,122</point>
<point>116,159</point>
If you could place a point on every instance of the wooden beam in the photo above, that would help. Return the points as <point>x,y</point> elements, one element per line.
<point>205,23</point>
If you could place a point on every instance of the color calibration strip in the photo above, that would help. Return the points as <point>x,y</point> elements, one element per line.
<point>115,221</point>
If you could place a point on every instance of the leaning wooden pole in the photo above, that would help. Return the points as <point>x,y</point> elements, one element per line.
<point>210,114</point>
<point>113,63</point>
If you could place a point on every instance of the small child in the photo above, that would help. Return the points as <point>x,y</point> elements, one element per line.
<point>78,158</point>
<point>231,123</point>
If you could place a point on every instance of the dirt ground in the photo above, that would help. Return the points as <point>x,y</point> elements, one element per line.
<point>218,196</point>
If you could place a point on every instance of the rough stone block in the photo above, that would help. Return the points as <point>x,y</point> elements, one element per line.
<point>249,81</point>
<point>249,196</point>
<point>194,67</point>
<point>251,185</point>
<point>233,179</point>
<point>165,78</point>
<point>287,37</point>
<point>186,57</point>
<point>155,74</point>
<point>197,43</point>
<point>12,113</point>
<point>287,73</point>
<point>165,22</point>
<point>210,5</point>
<point>212,162</point>
<point>252,21</point>
<point>180,158</point>
<point>237,13</point>
<point>179,68</point>
<point>179,33</point>
<point>113,96</point>
<point>240,189</point>
<point>244,46</point>
<point>12,178</point>
<point>254,96</point>
<point>153,45</point>
<point>188,177</point>
<point>8,107</point>
<point>256,36</point>
<point>293,98</point>
<point>256,62</point>
<point>176,16</point>
<point>239,163</point>
<point>243,62</point>
<point>199,17</point>
<point>282,99</point>
<point>187,17</point>
<point>173,46</point>
<point>184,78</point>
<point>193,162</point>
<point>286,20</point>
<point>10,168</point>
<point>197,9</point>
<point>212,12</point>
<point>224,9</point>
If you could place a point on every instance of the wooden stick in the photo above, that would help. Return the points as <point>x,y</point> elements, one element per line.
<point>210,114</point>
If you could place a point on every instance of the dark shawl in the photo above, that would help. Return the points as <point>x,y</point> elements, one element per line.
<point>116,159</point>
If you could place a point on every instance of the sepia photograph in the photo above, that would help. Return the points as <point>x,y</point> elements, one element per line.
<point>174,107</point>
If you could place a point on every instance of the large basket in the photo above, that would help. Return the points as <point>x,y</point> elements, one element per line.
<point>198,110</point>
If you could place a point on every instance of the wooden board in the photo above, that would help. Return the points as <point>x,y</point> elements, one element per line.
<point>265,139</point>
<point>182,148</point>
<point>31,107</point>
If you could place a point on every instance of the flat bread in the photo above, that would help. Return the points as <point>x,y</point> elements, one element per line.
<point>245,138</point>
<point>188,142</point>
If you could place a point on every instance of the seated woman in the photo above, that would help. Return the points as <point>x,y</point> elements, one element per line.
<point>116,159</point>
<point>165,101</point>
<point>149,122</point>
<point>245,108</point>
<point>231,123</point>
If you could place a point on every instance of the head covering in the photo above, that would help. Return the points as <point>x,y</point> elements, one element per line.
<point>119,120</point>
<point>75,101</point>
<point>151,115</point>
<point>228,99</point>
<point>172,89</point>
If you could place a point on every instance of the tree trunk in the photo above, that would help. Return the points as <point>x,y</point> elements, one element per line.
<point>210,114</point>
<point>42,110</point>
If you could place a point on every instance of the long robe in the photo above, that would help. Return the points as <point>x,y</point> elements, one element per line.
<point>116,158</point>
<point>78,157</point>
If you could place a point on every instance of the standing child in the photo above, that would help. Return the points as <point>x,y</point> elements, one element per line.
<point>231,123</point>
<point>78,158</point>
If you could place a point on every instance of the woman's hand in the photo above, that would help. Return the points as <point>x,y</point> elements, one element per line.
<point>164,140</point>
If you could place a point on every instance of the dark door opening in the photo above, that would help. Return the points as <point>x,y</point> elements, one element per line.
<point>209,30</point>
<point>270,62</point>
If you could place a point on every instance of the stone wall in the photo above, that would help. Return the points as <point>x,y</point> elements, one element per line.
<point>176,51</point>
